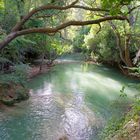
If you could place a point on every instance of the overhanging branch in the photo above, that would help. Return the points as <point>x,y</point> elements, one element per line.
<point>15,34</point>
<point>134,8</point>
<point>41,8</point>
<point>18,26</point>
<point>70,23</point>
<point>90,8</point>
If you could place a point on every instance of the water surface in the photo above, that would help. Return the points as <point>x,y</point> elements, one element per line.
<point>73,100</point>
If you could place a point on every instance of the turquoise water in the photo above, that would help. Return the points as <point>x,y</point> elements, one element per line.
<point>73,100</point>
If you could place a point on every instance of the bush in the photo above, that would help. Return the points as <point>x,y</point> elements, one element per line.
<point>18,76</point>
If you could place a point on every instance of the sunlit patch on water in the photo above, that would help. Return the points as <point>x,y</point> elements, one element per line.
<point>46,90</point>
<point>76,124</point>
<point>78,121</point>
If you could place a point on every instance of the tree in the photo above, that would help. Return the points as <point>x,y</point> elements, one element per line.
<point>18,31</point>
<point>104,10</point>
<point>123,31</point>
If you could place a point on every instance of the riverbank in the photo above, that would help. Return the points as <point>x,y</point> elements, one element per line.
<point>14,91</point>
<point>129,72</point>
<point>35,70</point>
<point>129,131</point>
<point>127,127</point>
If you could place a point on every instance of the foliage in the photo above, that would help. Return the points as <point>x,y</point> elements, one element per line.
<point>135,70</point>
<point>19,76</point>
<point>15,50</point>
<point>78,40</point>
<point>102,45</point>
<point>116,125</point>
<point>5,60</point>
<point>112,127</point>
<point>115,6</point>
<point>123,94</point>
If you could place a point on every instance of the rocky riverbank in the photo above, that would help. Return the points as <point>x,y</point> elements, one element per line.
<point>35,70</point>
<point>11,93</point>
<point>130,131</point>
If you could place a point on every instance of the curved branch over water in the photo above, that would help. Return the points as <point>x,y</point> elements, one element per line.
<point>18,31</point>
<point>15,34</point>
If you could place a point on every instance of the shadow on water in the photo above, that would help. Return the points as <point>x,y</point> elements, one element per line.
<point>73,101</point>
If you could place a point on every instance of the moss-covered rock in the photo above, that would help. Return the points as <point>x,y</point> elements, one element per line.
<point>8,102</point>
<point>11,94</point>
<point>21,94</point>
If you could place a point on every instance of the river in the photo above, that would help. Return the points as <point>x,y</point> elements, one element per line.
<point>73,101</point>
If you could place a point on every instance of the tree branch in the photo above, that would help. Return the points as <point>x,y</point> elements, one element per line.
<point>15,34</point>
<point>100,27</point>
<point>90,8</point>
<point>70,23</point>
<point>134,8</point>
<point>44,7</point>
<point>18,26</point>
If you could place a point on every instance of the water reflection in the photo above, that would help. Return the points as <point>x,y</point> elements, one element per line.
<point>46,89</point>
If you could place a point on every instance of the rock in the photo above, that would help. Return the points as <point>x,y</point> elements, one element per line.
<point>131,131</point>
<point>130,126</point>
<point>8,102</point>
<point>21,94</point>
<point>64,138</point>
<point>12,94</point>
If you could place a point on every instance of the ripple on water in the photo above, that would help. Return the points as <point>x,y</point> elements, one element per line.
<point>51,117</point>
<point>78,121</point>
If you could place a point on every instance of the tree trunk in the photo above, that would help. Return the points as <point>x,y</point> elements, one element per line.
<point>8,39</point>
<point>136,59</point>
<point>118,42</point>
<point>41,64</point>
<point>125,56</point>
<point>127,52</point>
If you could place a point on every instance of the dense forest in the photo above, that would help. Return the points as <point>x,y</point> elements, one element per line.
<point>36,34</point>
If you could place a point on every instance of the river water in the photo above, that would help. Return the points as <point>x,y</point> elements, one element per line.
<point>73,101</point>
